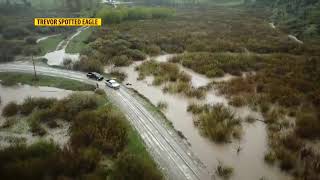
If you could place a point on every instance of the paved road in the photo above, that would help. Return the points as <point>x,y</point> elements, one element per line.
<point>171,154</point>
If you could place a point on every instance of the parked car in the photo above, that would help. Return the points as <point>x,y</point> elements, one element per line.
<point>95,76</point>
<point>112,83</point>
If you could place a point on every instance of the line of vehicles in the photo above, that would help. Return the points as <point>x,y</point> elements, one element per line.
<point>109,82</point>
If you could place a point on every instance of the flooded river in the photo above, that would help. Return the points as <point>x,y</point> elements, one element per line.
<point>20,130</point>
<point>248,164</point>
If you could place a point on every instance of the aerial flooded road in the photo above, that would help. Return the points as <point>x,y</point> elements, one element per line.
<point>172,155</point>
<point>254,142</point>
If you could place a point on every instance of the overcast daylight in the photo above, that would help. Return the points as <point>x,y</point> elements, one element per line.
<point>160,89</point>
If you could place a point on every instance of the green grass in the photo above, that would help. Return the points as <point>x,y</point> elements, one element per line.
<point>49,44</point>
<point>10,79</point>
<point>136,146</point>
<point>78,43</point>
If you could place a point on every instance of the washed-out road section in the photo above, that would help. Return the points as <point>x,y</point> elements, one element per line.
<point>166,147</point>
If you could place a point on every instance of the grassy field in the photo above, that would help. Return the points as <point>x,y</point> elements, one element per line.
<point>10,79</point>
<point>79,43</point>
<point>50,44</point>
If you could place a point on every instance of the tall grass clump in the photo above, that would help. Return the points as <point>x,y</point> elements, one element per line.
<point>224,171</point>
<point>31,103</point>
<point>307,125</point>
<point>218,123</point>
<point>10,109</point>
<point>162,105</point>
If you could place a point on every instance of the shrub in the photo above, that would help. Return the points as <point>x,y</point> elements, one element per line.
<point>197,109</point>
<point>10,109</point>
<point>287,159</point>
<point>70,106</point>
<point>307,125</point>
<point>100,91</point>
<point>162,105</point>
<point>29,104</point>
<point>219,124</point>
<point>129,166</point>
<point>292,142</point>
<point>104,130</point>
<point>121,76</point>
<point>237,101</point>
<point>31,40</point>
<point>88,65</point>
<point>153,49</point>
<point>270,157</point>
<point>122,60</point>
<point>37,129</point>
<point>272,116</point>
<point>224,171</point>
<point>14,32</point>
<point>135,55</point>
<point>264,107</point>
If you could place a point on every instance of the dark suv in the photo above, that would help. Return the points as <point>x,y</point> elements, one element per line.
<point>94,75</point>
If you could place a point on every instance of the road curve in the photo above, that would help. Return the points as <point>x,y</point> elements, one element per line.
<point>168,150</point>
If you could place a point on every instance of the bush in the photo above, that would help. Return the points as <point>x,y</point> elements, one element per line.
<point>132,167</point>
<point>14,32</point>
<point>197,109</point>
<point>88,65</point>
<point>121,76</point>
<point>162,105</point>
<point>122,60</point>
<point>100,91</point>
<point>104,130</point>
<point>31,40</point>
<point>307,126</point>
<point>224,171</point>
<point>292,143</point>
<point>270,157</point>
<point>153,49</point>
<point>219,124</point>
<point>44,160</point>
<point>69,107</point>
<point>29,104</point>
<point>287,159</point>
<point>135,54</point>
<point>10,109</point>
<point>237,101</point>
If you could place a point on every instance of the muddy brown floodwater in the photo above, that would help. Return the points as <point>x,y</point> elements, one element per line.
<point>20,130</point>
<point>248,164</point>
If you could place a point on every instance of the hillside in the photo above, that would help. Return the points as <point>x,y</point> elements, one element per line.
<point>300,17</point>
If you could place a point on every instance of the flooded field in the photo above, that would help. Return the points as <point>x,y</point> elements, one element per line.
<point>20,131</point>
<point>56,57</point>
<point>248,163</point>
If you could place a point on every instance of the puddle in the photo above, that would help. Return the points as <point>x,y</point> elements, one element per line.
<point>19,131</point>
<point>248,164</point>
<point>56,57</point>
